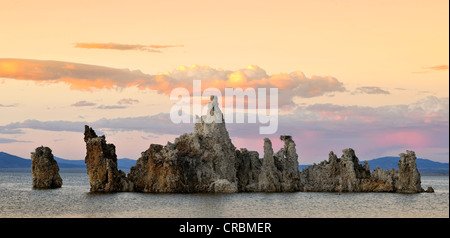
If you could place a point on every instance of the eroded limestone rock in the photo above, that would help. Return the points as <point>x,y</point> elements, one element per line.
<point>409,176</point>
<point>279,172</point>
<point>157,170</point>
<point>248,169</point>
<point>347,175</point>
<point>207,161</point>
<point>383,180</point>
<point>288,165</point>
<point>269,177</point>
<point>343,174</point>
<point>44,169</point>
<point>101,164</point>
<point>203,161</point>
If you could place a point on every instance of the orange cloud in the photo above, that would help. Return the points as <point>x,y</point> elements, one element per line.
<point>89,77</point>
<point>438,67</point>
<point>116,46</point>
<point>88,85</point>
<point>9,68</point>
<point>79,76</point>
<point>282,81</point>
<point>236,80</point>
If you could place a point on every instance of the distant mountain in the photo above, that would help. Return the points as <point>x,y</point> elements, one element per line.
<point>65,163</point>
<point>124,163</point>
<point>425,166</point>
<point>12,161</point>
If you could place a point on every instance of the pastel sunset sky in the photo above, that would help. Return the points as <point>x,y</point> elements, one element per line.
<point>370,75</point>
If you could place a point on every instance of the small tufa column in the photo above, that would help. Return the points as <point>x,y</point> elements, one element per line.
<point>409,176</point>
<point>44,169</point>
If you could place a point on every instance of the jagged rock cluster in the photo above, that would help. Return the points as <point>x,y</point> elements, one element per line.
<point>346,174</point>
<point>336,175</point>
<point>207,161</point>
<point>44,169</point>
<point>274,173</point>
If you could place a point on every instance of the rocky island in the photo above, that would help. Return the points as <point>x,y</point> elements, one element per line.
<point>206,161</point>
<point>346,174</point>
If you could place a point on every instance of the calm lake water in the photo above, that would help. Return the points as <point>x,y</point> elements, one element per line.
<point>18,199</point>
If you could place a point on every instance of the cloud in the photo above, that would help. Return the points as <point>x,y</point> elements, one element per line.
<point>149,137</point>
<point>438,67</point>
<point>121,103</point>
<point>127,101</point>
<point>17,127</point>
<point>83,104</point>
<point>157,124</point>
<point>78,76</point>
<point>6,130</point>
<point>430,110</point>
<point>370,90</point>
<point>8,141</point>
<point>111,107</point>
<point>116,46</point>
<point>90,77</point>
<point>10,105</point>
<point>289,85</point>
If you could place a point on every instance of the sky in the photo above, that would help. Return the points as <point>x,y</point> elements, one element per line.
<point>367,75</point>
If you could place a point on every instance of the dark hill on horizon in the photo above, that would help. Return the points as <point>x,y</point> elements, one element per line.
<point>12,161</point>
<point>425,166</point>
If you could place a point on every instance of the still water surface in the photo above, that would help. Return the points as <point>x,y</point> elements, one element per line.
<point>18,199</point>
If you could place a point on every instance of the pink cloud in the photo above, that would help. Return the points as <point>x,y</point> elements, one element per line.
<point>404,138</point>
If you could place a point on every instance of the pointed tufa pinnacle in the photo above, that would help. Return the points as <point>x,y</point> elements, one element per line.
<point>89,133</point>
<point>285,138</point>
<point>268,153</point>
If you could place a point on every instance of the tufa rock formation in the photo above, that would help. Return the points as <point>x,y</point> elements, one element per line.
<point>203,161</point>
<point>279,172</point>
<point>347,175</point>
<point>408,176</point>
<point>44,169</point>
<point>207,161</point>
<point>101,164</point>
<point>274,173</point>
<point>343,174</point>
